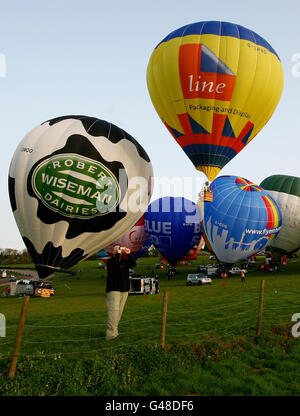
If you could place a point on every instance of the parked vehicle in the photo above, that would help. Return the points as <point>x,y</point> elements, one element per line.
<point>198,279</point>
<point>212,271</point>
<point>236,270</point>
<point>143,285</point>
<point>28,287</point>
<point>25,287</point>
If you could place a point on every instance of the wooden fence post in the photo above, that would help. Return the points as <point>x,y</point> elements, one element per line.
<point>260,310</point>
<point>164,319</point>
<point>17,346</point>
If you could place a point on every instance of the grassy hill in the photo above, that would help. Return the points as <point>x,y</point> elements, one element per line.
<point>211,343</point>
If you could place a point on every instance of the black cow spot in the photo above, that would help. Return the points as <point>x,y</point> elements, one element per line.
<point>96,127</point>
<point>51,259</point>
<point>12,193</point>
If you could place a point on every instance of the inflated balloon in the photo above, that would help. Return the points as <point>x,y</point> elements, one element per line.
<point>144,249</point>
<point>285,190</point>
<point>241,219</point>
<point>173,225</point>
<point>103,255</point>
<point>69,189</point>
<point>192,254</point>
<point>214,85</point>
<point>133,239</point>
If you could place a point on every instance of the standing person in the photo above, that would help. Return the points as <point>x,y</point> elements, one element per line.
<point>169,274</point>
<point>117,287</point>
<point>284,260</point>
<point>243,277</point>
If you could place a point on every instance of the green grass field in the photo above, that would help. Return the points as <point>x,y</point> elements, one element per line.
<point>211,343</point>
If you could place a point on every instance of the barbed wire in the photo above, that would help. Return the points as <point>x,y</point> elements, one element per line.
<point>202,332</point>
<point>84,325</point>
<point>213,319</point>
<point>79,340</point>
<point>248,313</point>
<point>217,308</point>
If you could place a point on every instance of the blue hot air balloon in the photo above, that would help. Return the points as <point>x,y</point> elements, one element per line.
<point>173,225</point>
<point>241,219</point>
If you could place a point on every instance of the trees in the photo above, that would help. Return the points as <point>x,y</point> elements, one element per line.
<point>13,256</point>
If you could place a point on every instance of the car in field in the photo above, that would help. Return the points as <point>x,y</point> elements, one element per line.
<point>198,279</point>
<point>143,285</point>
<point>159,266</point>
<point>101,265</point>
<point>212,271</point>
<point>202,268</point>
<point>236,270</point>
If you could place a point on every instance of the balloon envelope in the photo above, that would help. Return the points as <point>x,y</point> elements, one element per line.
<point>103,255</point>
<point>143,250</point>
<point>214,85</point>
<point>173,225</point>
<point>241,219</point>
<point>192,254</point>
<point>285,190</point>
<point>68,186</point>
<point>133,239</point>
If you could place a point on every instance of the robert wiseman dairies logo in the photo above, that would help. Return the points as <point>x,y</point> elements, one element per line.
<point>76,186</point>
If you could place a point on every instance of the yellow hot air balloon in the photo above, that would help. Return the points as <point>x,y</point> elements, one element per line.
<point>214,85</point>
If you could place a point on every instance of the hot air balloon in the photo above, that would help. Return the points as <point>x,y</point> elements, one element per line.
<point>192,254</point>
<point>173,225</point>
<point>69,189</point>
<point>103,255</point>
<point>133,239</point>
<point>143,250</point>
<point>241,220</point>
<point>214,85</point>
<point>285,190</point>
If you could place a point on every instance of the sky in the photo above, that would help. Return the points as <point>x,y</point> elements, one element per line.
<point>90,57</point>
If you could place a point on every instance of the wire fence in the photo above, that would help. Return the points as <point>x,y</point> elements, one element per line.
<point>197,323</point>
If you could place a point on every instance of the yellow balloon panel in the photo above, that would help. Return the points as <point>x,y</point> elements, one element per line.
<point>214,85</point>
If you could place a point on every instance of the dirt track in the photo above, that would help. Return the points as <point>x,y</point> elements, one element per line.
<point>22,273</point>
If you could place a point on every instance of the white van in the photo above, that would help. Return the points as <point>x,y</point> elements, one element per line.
<point>143,285</point>
<point>212,271</point>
